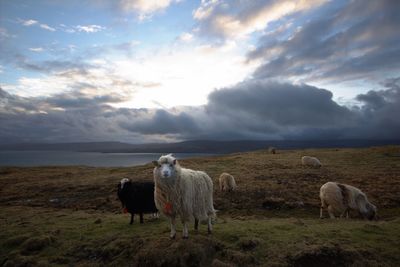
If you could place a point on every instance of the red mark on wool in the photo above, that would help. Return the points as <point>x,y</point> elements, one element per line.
<point>168,208</point>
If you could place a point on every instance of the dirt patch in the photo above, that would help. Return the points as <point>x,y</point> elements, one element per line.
<point>238,258</point>
<point>324,256</point>
<point>35,244</point>
<point>19,261</point>
<point>15,240</point>
<point>107,250</point>
<point>196,251</point>
<point>247,244</point>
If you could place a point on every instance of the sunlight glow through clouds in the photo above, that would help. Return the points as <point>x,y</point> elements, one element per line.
<point>185,77</point>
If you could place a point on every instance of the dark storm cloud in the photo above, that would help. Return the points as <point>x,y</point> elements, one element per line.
<point>258,109</point>
<point>79,100</point>
<point>164,122</point>
<point>254,109</point>
<point>282,103</point>
<point>59,118</point>
<point>378,115</point>
<point>358,39</point>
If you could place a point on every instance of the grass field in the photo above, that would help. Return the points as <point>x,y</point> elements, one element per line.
<point>70,216</point>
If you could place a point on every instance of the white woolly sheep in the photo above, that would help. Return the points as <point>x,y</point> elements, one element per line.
<point>311,161</point>
<point>226,182</point>
<point>339,198</point>
<point>183,192</point>
<point>272,150</point>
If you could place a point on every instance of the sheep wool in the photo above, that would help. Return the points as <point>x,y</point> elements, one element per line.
<point>182,192</point>
<point>339,198</point>
<point>226,182</point>
<point>272,150</point>
<point>310,161</point>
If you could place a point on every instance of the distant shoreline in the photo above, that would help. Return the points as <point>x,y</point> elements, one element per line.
<point>44,158</point>
<point>196,146</point>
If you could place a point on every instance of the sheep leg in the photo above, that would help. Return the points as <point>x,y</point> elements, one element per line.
<point>196,224</point>
<point>131,218</point>
<point>330,212</point>
<point>141,217</point>
<point>173,228</point>
<point>209,228</point>
<point>321,211</point>
<point>185,230</point>
<point>345,212</point>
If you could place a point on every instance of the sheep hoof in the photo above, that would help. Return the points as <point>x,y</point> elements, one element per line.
<point>185,237</point>
<point>172,236</point>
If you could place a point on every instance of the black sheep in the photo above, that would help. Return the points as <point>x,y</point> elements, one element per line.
<point>137,197</point>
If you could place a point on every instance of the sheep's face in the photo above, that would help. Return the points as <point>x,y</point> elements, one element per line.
<point>165,166</point>
<point>123,182</point>
<point>372,212</point>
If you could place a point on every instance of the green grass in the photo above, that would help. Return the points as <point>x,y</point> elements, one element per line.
<point>43,236</point>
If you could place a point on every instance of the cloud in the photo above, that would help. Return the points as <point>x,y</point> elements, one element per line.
<point>378,115</point>
<point>91,78</point>
<point>186,37</point>
<point>145,8</point>
<point>32,22</point>
<point>29,22</point>
<point>260,109</point>
<point>163,122</point>
<point>36,49</point>
<point>5,34</point>
<point>89,28</point>
<point>47,27</point>
<point>254,109</point>
<point>62,117</point>
<point>235,19</point>
<point>342,44</point>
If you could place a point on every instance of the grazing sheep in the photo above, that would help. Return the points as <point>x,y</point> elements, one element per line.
<point>137,197</point>
<point>311,161</point>
<point>226,182</point>
<point>341,198</point>
<point>183,192</point>
<point>272,150</point>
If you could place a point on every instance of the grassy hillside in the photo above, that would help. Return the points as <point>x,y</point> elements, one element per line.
<point>71,216</point>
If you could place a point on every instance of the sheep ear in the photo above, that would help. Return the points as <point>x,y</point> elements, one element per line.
<point>155,163</point>
<point>174,161</point>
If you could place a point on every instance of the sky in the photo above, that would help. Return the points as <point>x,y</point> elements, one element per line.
<point>143,71</point>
